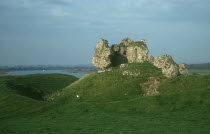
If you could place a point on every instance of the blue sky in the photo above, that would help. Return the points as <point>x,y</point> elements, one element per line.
<point>65,32</point>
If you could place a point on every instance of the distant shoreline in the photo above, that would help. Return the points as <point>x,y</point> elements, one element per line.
<point>2,73</point>
<point>27,72</point>
<point>191,71</point>
<point>199,71</point>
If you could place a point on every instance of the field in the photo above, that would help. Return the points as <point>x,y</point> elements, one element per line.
<point>108,103</point>
<point>199,71</point>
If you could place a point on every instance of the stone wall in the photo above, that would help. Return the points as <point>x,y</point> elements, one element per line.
<point>129,51</point>
<point>103,52</point>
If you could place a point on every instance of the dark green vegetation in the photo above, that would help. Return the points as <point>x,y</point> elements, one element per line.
<point>138,43</point>
<point>22,94</point>
<point>205,66</point>
<point>110,102</point>
<point>202,69</point>
<point>37,86</point>
<point>199,71</point>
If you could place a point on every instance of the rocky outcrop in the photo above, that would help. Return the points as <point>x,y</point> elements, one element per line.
<point>167,65</point>
<point>129,51</point>
<point>150,59</point>
<point>102,56</point>
<point>182,69</point>
<point>151,86</point>
<point>126,41</point>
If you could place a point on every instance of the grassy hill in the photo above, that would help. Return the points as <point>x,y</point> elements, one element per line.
<point>111,85</point>
<point>114,86</point>
<point>21,94</point>
<point>114,102</point>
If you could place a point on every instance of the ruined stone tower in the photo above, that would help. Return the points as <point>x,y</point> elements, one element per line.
<point>129,51</point>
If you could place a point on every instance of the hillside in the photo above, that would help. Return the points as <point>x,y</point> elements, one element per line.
<point>186,113</point>
<point>37,86</point>
<point>133,98</point>
<point>114,85</point>
<point>21,94</point>
<point>124,83</point>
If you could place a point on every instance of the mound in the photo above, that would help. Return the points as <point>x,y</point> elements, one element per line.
<point>128,82</point>
<point>119,83</point>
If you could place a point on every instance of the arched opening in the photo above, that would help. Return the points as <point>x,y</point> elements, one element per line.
<point>124,53</point>
<point>135,54</point>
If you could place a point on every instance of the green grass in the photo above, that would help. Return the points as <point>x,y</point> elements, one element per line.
<point>110,86</point>
<point>184,83</point>
<point>22,94</point>
<point>181,107</point>
<point>138,43</point>
<point>81,71</point>
<point>37,86</point>
<point>162,114</point>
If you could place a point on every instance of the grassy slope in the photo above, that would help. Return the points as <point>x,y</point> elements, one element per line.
<point>103,106</point>
<point>185,83</point>
<point>21,94</point>
<point>37,86</point>
<point>110,86</point>
<point>169,114</point>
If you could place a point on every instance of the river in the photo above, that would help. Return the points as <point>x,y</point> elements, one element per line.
<point>78,75</point>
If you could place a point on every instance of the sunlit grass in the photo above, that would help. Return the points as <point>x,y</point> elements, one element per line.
<point>108,103</point>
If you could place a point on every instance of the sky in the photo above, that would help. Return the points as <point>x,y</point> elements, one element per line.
<point>65,32</point>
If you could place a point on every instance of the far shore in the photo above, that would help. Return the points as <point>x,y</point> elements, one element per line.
<point>2,73</point>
